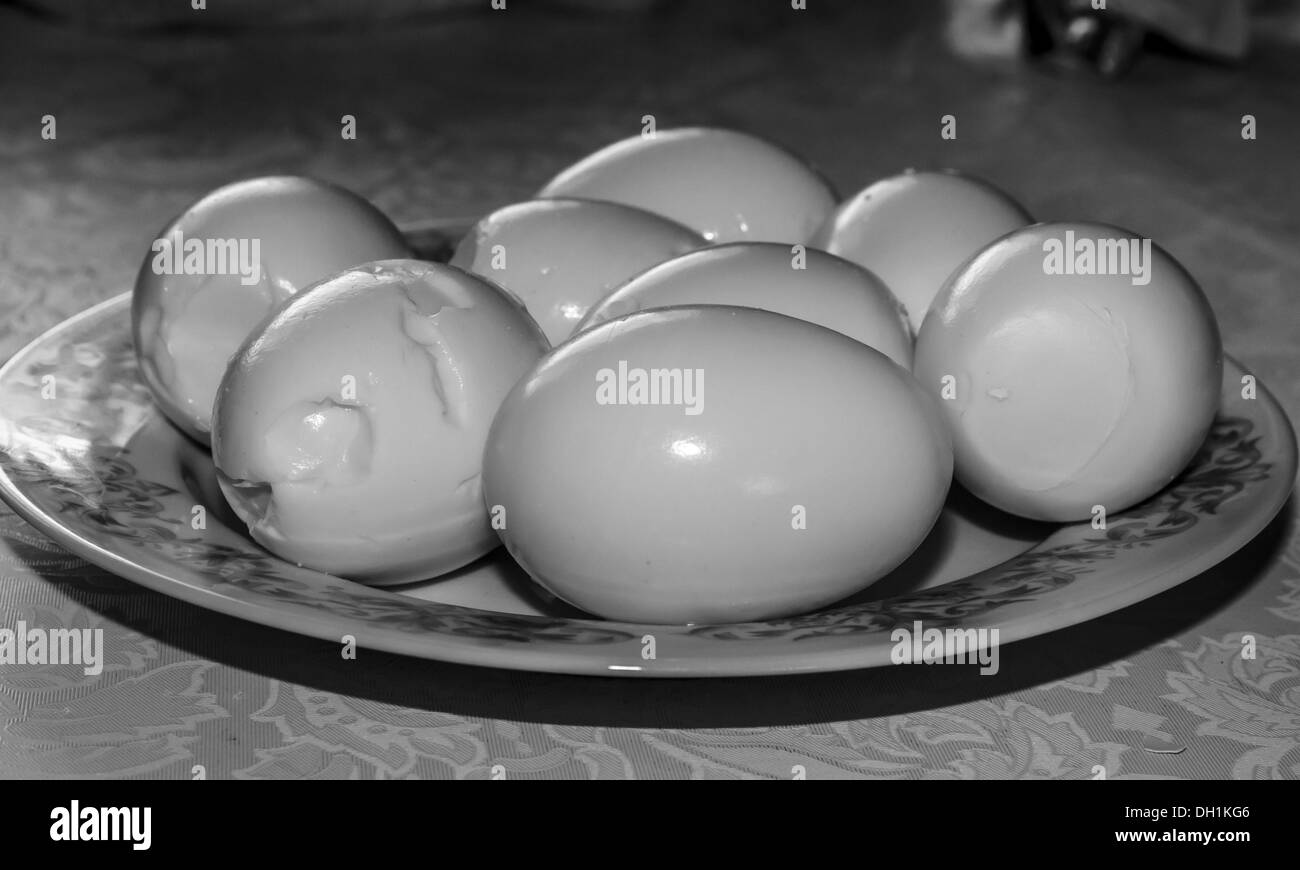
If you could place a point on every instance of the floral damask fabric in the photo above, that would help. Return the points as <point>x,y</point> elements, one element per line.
<point>1187,707</point>
<point>1158,690</point>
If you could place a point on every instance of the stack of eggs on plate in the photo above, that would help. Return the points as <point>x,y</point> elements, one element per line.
<point>683,384</point>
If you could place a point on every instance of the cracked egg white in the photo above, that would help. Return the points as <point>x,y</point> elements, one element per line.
<point>1073,378</point>
<point>348,431</point>
<point>223,264</point>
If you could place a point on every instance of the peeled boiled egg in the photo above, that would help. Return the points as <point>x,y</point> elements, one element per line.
<point>1078,366</point>
<point>793,280</point>
<point>219,268</point>
<point>914,229</point>
<point>348,432</point>
<point>714,464</point>
<point>560,256</point>
<point>725,185</point>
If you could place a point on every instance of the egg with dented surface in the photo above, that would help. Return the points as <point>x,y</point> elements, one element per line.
<point>348,431</point>
<point>1078,366</point>
<point>714,464</point>
<point>793,280</point>
<point>222,265</point>
<point>727,186</point>
<point>561,256</point>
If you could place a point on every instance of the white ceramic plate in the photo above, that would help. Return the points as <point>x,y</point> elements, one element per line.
<point>95,467</point>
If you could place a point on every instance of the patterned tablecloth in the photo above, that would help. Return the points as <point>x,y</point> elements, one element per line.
<point>457,117</point>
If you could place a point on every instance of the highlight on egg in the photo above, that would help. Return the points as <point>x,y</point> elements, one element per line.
<point>1078,367</point>
<point>561,256</point>
<point>221,266</point>
<point>727,186</point>
<point>714,464</point>
<point>915,228</point>
<point>793,280</point>
<point>348,431</point>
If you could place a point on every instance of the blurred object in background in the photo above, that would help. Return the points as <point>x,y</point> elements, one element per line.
<point>1110,39</point>
<point>1101,36</point>
<point>1109,36</point>
<point>986,29</point>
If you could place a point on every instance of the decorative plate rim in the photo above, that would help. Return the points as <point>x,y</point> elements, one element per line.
<point>787,653</point>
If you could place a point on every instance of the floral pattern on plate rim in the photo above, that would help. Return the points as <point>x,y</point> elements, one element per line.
<point>100,488</point>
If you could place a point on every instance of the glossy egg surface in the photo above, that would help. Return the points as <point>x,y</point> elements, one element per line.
<point>714,464</point>
<point>793,280</point>
<point>727,186</point>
